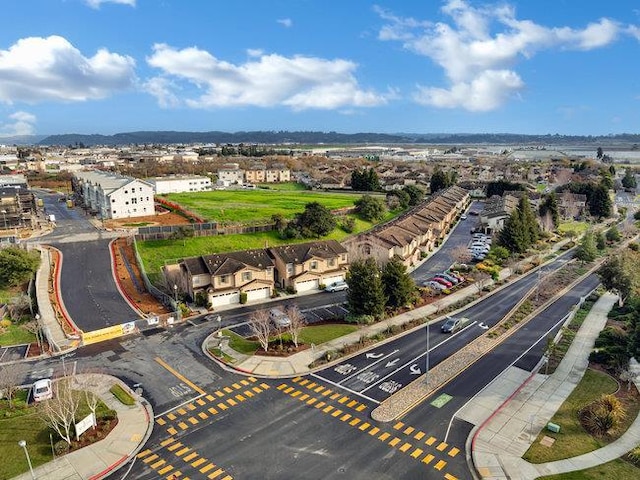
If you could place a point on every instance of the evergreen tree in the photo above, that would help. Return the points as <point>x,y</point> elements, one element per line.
<point>399,287</point>
<point>529,221</point>
<point>316,221</point>
<point>440,180</point>
<point>514,236</point>
<point>416,194</point>
<point>370,208</point>
<point>600,205</point>
<point>550,205</point>
<point>629,180</point>
<point>587,250</point>
<point>601,243</point>
<point>366,292</point>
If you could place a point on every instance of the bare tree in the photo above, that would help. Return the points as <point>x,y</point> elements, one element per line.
<point>298,322</point>
<point>481,280</point>
<point>18,306</point>
<point>34,327</point>
<point>86,382</point>
<point>60,411</point>
<point>260,327</point>
<point>10,378</point>
<point>461,254</point>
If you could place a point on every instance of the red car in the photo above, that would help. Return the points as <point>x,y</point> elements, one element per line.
<point>442,281</point>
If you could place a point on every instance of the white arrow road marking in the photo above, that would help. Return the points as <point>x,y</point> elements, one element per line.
<point>483,326</point>
<point>392,362</point>
<point>414,369</point>
<point>374,355</point>
<point>369,366</point>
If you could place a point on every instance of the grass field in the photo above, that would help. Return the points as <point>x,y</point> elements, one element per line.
<point>255,206</point>
<point>617,469</point>
<point>155,253</point>
<point>577,227</point>
<point>287,186</point>
<point>16,335</point>
<point>573,439</point>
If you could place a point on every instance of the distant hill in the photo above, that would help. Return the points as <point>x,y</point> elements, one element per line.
<point>316,138</point>
<point>21,139</point>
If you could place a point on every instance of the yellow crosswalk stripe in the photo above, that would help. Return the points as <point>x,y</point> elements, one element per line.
<point>320,404</point>
<point>352,403</point>
<point>216,473</point>
<point>166,469</point>
<point>442,446</point>
<point>172,431</point>
<point>200,402</point>
<point>328,409</point>
<point>409,430</point>
<point>191,406</point>
<point>203,415</point>
<point>144,453</point>
<point>210,397</point>
<point>227,389</point>
<point>161,421</point>
<point>219,393</point>
<point>264,386</point>
<point>198,462</point>
<point>296,393</point>
<point>374,431</point>
<point>158,464</point>
<point>364,426</point>
<point>171,416</point>
<point>303,397</point>
<point>335,395</point>
<point>236,386</point>
<point>336,412</point>
<point>212,411</point>
<point>240,398</point>
<point>166,442</point>
<point>419,435</point>
<point>448,476</point>
<point>354,422</point>
<point>343,399</point>
<point>440,465</point>
<point>207,467</point>
<point>193,420</point>
<point>453,452</point>
<point>228,477</point>
<point>248,393</point>
<point>304,382</point>
<point>417,452</point>
<point>257,389</point>
<point>252,379</point>
<point>311,401</point>
<point>312,385</point>
<point>394,441</point>
<point>430,441</point>
<point>183,451</point>
<point>151,458</point>
<point>232,402</point>
<point>222,406</point>
<point>398,425</point>
<point>361,407</point>
<point>181,411</point>
<point>289,390</point>
<point>183,425</point>
<point>405,447</point>
<point>297,379</point>
<point>327,392</point>
<point>384,436</point>
<point>175,446</point>
<point>244,382</point>
<point>190,457</point>
<point>428,458</point>
<point>345,417</point>
<point>319,389</point>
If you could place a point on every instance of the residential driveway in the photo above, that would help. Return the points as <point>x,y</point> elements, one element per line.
<point>88,288</point>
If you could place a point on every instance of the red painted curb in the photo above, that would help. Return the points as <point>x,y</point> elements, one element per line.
<point>56,289</point>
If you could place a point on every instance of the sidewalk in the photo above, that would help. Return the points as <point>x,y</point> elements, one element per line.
<point>101,459</point>
<point>527,403</point>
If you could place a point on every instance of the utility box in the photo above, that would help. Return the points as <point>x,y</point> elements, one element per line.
<point>52,218</point>
<point>553,427</point>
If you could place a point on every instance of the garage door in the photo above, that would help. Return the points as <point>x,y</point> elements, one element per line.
<point>306,286</point>
<point>258,294</point>
<point>329,280</point>
<point>225,299</point>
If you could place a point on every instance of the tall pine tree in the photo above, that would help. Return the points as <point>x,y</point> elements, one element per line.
<point>366,292</point>
<point>398,285</point>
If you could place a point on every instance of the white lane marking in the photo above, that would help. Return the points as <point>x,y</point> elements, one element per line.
<point>368,366</point>
<point>345,388</point>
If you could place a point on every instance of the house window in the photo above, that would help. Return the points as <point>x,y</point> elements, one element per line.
<point>246,276</point>
<point>314,265</point>
<point>332,262</point>
<point>289,268</point>
<point>224,279</point>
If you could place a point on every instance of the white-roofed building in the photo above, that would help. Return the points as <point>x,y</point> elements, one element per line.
<point>180,184</point>
<point>114,196</point>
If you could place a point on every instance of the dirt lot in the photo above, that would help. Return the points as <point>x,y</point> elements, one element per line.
<point>165,218</point>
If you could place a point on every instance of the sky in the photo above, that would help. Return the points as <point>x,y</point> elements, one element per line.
<point>412,66</point>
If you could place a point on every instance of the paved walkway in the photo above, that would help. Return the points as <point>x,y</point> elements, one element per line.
<point>102,458</point>
<point>527,403</point>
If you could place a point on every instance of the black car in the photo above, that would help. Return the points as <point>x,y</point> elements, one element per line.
<point>452,324</point>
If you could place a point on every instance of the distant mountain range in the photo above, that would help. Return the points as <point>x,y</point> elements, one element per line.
<point>22,139</point>
<point>317,138</point>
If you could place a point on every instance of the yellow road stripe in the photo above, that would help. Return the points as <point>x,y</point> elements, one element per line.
<point>374,431</point>
<point>335,395</point>
<point>228,477</point>
<point>232,402</point>
<point>428,458</point>
<point>257,389</point>
<point>297,379</point>
<point>453,452</point>
<point>336,412</point>
<point>319,389</point>
<point>207,467</point>
<point>361,407</point>
<point>354,422</point>
<point>175,446</point>
<point>327,392</point>
<point>166,442</point>
<point>222,406</point>
<point>328,409</point>
<point>240,398</point>
<point>442,446</point>
<point>345,417</point>
<point>296,393</point>
<point>158,464</point>
<point>213,411</point>
<point>216,473</point>
<point>405,447</point>
<point>183,425</point>
<point>304,382</point>
<point>144,453</point>
<point>417,452</point>
<point>166,469</point>
<point>394,442</point>
<point>171,416</point>
<point>419,435</point>
<point>200,402</point>
<point>448,476</point>
<point>398,425</point>
<point>190,457</point>
<point>219,393</point>
<point>236,386</point>
<point>343,399</point>
<point>440,465</point>
<point>289,390</point>
<point>151,458</point>
<point>191,406</point>
<point>203,415</point>
<point>312,385</point>
<point>181,411</point>
<point>161,421</point>
<point>183,451</point>
<point>248,393</point>
<point>244,382</point>
<point>180,376</point>
<point>211,398</point>
<point>303,397</point>
<point>227,389</point>
<point>430,441</point>
<point>311,401</point>
<point>384,436</point>
<point>172,431</point>
<point>252,379</point>
<point>193,420</point>
<point>364,426</point>
<point>352,403</point>
<point>264,386</point>
<point>409,430</point>
<point>198,462</point>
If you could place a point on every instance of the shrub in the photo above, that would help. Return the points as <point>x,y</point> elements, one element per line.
<point>360,319</point>
<point>243,297</point>
<point>60,447</point>
<point>290,290</point>
<point>5,322</point>
<point>603,416</point>
<point>122,395</point>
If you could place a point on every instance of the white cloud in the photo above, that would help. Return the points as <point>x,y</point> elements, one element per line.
<point>35,69</point>
<point>97,3</point>
<point>272,80</point>
<point>22,124</point>
<point>479,46</point>
<point>285,22</point>
<point>162,88</point>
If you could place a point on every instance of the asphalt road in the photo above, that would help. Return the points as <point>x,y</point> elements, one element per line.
<point>379,373</point>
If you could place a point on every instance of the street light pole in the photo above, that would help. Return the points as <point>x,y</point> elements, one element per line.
<point>23,444</point>
<point>175,292</point>
<point>427,358</point>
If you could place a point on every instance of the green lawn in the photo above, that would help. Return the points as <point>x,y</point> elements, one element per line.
<point>16,335</point>
<point>617,469</point>
<point>287,186</point>
<point>241,344</point>
<point>573,439</point>
<point>155,253</point>
<point>256,206</point>
<point>577,227</point>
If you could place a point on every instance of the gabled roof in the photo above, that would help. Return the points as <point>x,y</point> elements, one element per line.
<point>301,252</point>
<point>227,263</point>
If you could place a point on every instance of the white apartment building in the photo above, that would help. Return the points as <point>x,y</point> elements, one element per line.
<point>230,174</point>
<point>180,184</point>
<point>114,196</point>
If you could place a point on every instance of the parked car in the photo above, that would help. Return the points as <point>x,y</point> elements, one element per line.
<point>442,281</point>
<point>42,390</point>
<point>337,286</point>
<point>463,217</point>
<point>456,274</point>
<point>481,248</point>
<point>279,318</point>
<point>432,284</point>
<point>450,278</point>
<point>453,324</point>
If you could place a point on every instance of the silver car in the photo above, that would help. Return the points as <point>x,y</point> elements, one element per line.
<point>279,318</point>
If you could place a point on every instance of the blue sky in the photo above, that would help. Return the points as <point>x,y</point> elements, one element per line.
<point>517,66</point>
